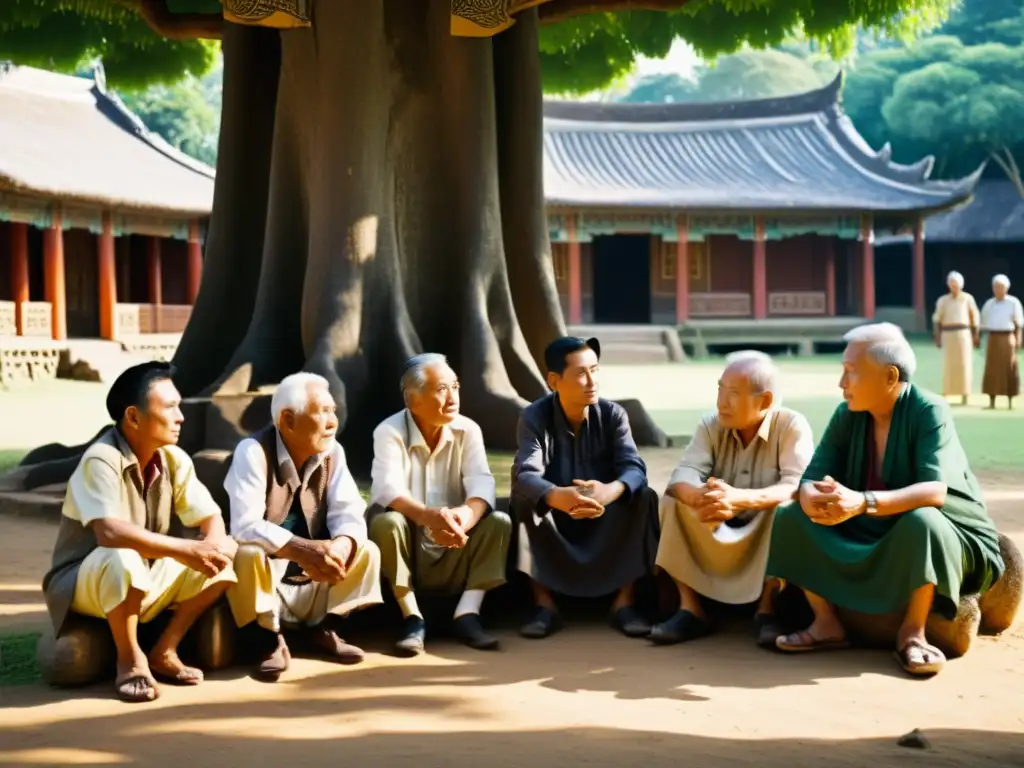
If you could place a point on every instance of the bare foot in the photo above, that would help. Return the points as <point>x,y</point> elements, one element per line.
<point>824,633</point>
<point>165,664</point>
<point>134,682</point>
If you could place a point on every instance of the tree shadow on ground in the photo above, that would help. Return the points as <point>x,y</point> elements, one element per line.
<point>144,738</point>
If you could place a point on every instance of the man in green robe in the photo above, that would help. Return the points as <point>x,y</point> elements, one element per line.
<point>890,516</point>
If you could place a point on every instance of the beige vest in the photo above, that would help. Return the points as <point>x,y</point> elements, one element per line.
<point>153,511</point>
<point>282,489</point>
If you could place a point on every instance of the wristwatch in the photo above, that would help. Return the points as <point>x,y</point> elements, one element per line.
<point>870,503</point>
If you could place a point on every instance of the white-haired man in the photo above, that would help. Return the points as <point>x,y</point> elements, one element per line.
<point>955,325</point>
<point>304,560</point>
<point>890,516</point>
<point>1002,317</point>
<point>743,460</point>
<point>433,499</point>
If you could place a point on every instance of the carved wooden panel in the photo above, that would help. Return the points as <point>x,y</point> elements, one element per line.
<point>796,303</point>
<point>36,319</point>
<point>8,327</point>
<point>174,317</point>
<point>720,305</point>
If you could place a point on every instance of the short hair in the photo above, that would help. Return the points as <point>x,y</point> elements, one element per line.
<point>292,394</point>
<point>414,377</point>
<point>886,345</point>
<point>1002,280</point>
<point>559,349</point>
<point>955,277</point>
<point>133,385</point>
<point>759,369</point>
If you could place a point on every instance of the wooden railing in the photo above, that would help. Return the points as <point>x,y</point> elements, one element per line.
<point>139,319</point>
<point>796,303</point>
<point>720,305</point>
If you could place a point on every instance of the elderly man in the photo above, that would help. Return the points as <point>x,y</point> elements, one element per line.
<point>890,516</point>
<point>742,462</point>
<point>955,325</point>
<point>1003,318</point>
<point>121,551</point>
<point>304,561</point>
<point>433,495</point>
<point>589,521</point>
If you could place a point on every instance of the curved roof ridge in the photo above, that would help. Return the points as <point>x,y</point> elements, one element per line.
<point>810,102</point>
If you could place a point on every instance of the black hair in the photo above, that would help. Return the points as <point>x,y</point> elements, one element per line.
<point>559,349</point>
<point>133,385</point>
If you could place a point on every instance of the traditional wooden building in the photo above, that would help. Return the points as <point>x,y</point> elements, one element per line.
<point>101,221</point>
<point>728,215</point>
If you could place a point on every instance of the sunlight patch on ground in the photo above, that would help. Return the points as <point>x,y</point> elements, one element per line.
<point>59,756</point>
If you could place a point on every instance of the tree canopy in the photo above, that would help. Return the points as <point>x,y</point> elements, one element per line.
<point>579,54</point>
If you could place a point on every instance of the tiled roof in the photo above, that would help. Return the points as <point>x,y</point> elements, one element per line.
<point>791,153</point>
<point>67,138</point>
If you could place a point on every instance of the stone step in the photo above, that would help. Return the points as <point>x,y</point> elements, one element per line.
<point>35,504</point>
<point>620,353</point>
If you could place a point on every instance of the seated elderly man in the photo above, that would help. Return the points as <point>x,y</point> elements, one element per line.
<point>890,516</point>
<point>716,519</point>
<point>304,561</point>
<point>580,495</point>
<point>433,516</point>
<point>121,554</point>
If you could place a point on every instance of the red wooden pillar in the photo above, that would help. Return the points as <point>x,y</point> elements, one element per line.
<point>156,288</point>
<point>867,234</point>
<point>19,271</point>
<point>760,271</point>
<point>830,277</point>
<point>53,277</point>
<point>682,270</point>
<point>107,279</point>
<point>919,307</point>
<point>195,261</point>
<point>575,276</point>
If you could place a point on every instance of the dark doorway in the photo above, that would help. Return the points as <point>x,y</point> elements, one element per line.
<point>894,275</point>
<point>81,284</point>
<point>622,279</point>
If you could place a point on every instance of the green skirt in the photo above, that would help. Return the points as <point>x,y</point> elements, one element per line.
<point>873,565</point>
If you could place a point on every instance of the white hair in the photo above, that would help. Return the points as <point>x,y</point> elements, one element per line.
<point>1002,280</point>
<point>415,376</point>
<point>955,277</point>
<point>294,394</point>
<point>886,345</point>
<point>758,367</point>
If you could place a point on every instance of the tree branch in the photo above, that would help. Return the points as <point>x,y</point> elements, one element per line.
<point>1009,166</point>
<point>178,26</point>
<point>560,10</point>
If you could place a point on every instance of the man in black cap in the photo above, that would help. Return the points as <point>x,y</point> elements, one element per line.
<point>121,552</point>
<point>588,520</point>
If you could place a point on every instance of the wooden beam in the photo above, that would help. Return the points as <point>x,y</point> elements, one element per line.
<point>867,235</point>
<point>53,277</point>
<point>554,11</point>
<point>682,270</point>
<point>107,279</point>
<point>575,275</point>
<point>920,319</point>
<point>830,277</point>
<point>760,290</point>
<point>19,271</point>
<point>195,261</point>
<point>155,274</point>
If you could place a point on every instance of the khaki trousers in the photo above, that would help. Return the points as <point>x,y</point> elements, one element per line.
<point>723,563</point>
<point>478,565</point>
<point>107,574</point>
<point>260,596</point>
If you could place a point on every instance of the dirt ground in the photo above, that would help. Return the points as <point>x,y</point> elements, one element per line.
<point>585,697</point>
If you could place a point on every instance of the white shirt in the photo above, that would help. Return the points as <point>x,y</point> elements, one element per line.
<point>404,466</point>
<point>1005,315</point>
<point>246,485</point>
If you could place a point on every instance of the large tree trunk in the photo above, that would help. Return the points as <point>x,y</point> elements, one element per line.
<point>399,181</point>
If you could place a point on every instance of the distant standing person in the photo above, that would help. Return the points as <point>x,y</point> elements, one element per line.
<point>1003,318</point>
<point>956,327</point>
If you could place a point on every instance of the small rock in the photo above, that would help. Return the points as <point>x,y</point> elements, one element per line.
<point>914,740</point>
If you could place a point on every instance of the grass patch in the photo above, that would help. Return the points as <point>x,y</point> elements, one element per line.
<point>18,659</point>
<point>9,459</point>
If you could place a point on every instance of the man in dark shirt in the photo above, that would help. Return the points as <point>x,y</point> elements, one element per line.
<point>588,521</point>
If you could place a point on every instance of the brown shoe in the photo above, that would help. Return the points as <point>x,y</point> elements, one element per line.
<point>275,662</point>
<point>328,642</point>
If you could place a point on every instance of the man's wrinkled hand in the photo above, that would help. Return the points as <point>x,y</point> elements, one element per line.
<point>574,501</point>
<point>834,503</point>
<point>603,493</point>
<point>446,528</point>
<point>205,557</point>
<point>317,560</point>
<point>226,545</point>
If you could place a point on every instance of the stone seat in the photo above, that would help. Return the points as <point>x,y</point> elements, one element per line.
<point>84,653</point>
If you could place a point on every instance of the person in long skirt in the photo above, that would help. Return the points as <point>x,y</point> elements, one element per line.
<point>956,328</point>
<point>1002,317</point>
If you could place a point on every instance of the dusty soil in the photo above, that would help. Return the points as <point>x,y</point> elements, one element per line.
<point>585,696</point>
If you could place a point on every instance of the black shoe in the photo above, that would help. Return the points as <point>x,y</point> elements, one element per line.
<point>414,635</point>
<point>767,630</point>
<point>683,626</point>
<point>543,622</point>
<point>630,623</point>
<point>470,631</point>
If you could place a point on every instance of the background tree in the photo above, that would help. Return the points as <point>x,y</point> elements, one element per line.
<point>379,187</point>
